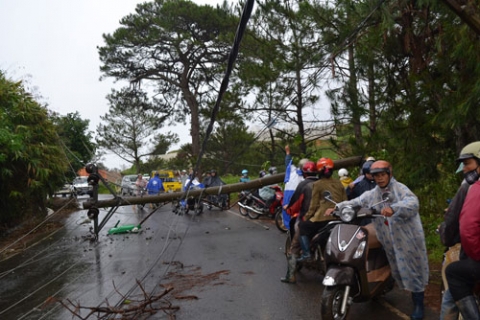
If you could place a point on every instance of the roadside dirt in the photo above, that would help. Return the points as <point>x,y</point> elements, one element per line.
<point>33,230</point>
<point>433,292</point>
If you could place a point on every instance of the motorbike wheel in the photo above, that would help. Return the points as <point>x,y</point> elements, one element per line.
<point>242,210</point>
<point>252,214</point>
<point>332,303</point>
<point>279,220</point>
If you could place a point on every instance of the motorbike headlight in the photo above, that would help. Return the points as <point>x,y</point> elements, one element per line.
<point>329,281</point>
<point>360,250</point>
<point>347,214</point>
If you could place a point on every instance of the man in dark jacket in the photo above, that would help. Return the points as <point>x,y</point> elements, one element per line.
<point>365,184</point>
<point>464,225</point>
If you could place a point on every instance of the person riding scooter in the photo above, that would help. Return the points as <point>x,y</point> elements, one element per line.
<point>315,218</point>
<point>297,208</point>
<point>400,233</point>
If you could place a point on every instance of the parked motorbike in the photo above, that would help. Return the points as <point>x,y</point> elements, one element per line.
<point>355,272</point>
<point>243,202</point>
<point>220,201</point>
<point>254,206</point>
<point>190,203</point>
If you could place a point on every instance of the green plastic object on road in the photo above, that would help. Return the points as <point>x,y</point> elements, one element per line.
<point>124,229</point>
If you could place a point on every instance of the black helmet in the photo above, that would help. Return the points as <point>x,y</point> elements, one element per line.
<point>262,174</point>
<point>272,170</point>
<point>366,167</point>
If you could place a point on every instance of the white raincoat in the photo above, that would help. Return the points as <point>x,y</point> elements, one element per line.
<point>401,234</point>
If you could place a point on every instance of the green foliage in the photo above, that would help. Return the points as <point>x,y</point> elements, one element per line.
<point>130,128</point>
<point>179,48</point>
<point>30,166</point>
<point>77,141</point>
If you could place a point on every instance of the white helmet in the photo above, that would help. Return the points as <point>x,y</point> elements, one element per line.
<point>342,172</point>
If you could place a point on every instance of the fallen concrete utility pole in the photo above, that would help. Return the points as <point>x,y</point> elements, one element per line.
<point>229,188</point>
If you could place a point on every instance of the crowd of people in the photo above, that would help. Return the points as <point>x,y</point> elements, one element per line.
<point>401,234</point>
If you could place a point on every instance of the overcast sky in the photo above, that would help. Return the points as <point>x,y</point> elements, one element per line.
<point>51,45</point>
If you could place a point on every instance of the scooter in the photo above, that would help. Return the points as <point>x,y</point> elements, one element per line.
<point>317,249</point>
<point>254,206</point>
<point>355,272</point>
<point>220,201</point>
<point>183,206</point>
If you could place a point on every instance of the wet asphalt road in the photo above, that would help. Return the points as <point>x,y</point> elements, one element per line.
<point>221,265</point>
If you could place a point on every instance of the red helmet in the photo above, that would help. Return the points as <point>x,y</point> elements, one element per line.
<point>324,163</point>
<point>309,167</point>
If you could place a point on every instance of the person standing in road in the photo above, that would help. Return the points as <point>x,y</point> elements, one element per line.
<point>400,233</point>
<point>183,177</point>
<point>155,185</point>
<point>141,184</point>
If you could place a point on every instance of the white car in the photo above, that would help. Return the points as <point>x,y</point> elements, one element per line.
<point>128,185</point>
<point>81,186</point>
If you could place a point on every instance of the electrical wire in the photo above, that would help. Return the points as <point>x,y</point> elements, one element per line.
<point>233,55</point>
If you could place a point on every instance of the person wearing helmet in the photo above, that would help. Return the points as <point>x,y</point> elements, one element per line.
<point>367,183</point>
<point>213,180</point>
<point>262,173</point>
<point>293,176</point>
<point>183,177</point>
<point>272,170</point>
<point>296,209</point>
<point>400,233</point>
<point>244,177</point>
<point>344,177</point>
<point>315,217</point>
<point>462,221</point>
<point>267,193</point>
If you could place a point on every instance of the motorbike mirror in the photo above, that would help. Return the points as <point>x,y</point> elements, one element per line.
<point>327,195</point>
<point>387,196</point>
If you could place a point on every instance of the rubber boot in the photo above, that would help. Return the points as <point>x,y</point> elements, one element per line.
<point>468,308</point>
<point>305,244</point>
<point>292,265</point>
<point>449,309</point>
<point>418,308</point>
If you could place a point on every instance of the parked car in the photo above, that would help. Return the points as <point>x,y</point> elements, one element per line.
<point>66,190</point>
<point>81,186</point>
<point>128,185</point>
<point>170,183</point>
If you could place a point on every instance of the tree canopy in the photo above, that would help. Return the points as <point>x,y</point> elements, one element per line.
<point>32,164</point>
<point>131,128</point>
<point>176,48</point>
